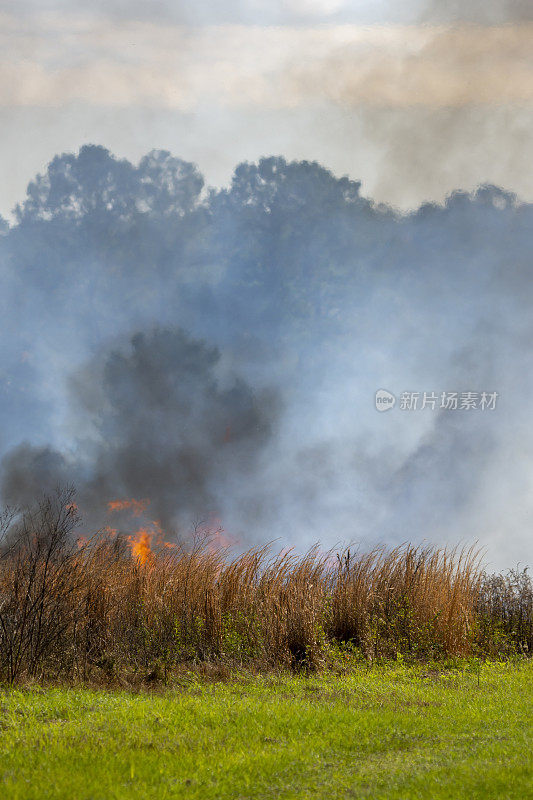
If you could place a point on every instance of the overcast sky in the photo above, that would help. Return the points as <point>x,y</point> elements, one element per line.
<point>414,98</point>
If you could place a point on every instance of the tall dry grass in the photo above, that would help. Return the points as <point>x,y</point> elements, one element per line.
<point>94,612</point>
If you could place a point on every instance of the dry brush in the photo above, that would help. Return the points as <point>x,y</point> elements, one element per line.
<point>93,611</point>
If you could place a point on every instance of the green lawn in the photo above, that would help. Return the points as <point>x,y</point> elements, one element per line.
<point>390,732</point>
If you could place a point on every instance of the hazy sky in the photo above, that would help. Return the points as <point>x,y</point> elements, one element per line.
<point>413,98</point>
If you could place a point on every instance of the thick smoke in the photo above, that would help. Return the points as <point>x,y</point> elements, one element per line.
<point>161,421</point>
<point>218,353</point>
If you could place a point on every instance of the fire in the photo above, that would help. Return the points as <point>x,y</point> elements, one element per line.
<point>141,545</point>
<point>137,507</point>
<point>143,540</point>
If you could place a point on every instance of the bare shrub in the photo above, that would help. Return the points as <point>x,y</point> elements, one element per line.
<point>39,583</point>
<point>505,612</point>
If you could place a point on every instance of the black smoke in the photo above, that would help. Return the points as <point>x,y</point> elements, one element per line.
<point>160,424</point>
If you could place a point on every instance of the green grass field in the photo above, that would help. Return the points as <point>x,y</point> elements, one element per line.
<point>390,732</point>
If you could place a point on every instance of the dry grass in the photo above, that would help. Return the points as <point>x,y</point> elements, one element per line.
<point>95,612</point>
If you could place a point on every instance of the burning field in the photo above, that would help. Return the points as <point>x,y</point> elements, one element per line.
<point>266,393</point>
<point>129,608</point>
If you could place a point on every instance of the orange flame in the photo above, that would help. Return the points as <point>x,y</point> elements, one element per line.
<point>140,544</point>
<point>141,541</point>
<point>138,507</point>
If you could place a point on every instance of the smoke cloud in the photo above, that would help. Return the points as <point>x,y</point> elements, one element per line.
<point>158,424</point>
<point>218,352</point>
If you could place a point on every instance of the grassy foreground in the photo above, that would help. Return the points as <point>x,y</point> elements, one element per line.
<point>392,732</point>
